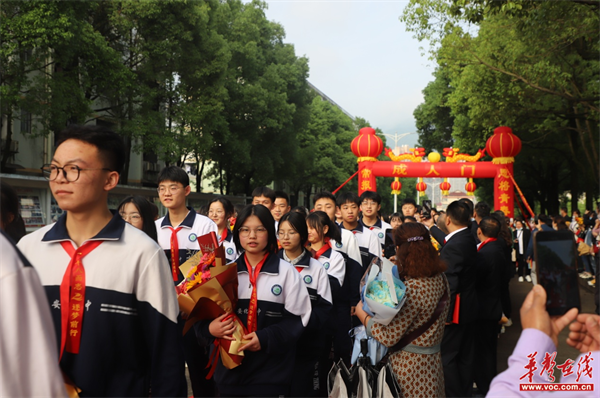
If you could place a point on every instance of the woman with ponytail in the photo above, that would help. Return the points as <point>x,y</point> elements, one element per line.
<point>418,366</point>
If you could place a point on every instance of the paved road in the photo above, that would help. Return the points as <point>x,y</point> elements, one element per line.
<point>508,340</point>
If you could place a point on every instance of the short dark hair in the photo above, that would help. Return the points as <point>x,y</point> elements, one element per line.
<point>319,219</point>
<point>298,223</point>
<point>374,196</point>
<point>408,201</point>
<point>564,209</point>
<point>324,194</point>
<point>469,204</point>
<point>266,219</point>
<point>264,191</point>
<point>301,210</point>
<point>145,209</point>
<point>282,195</point>
<point>459,213</point>
<point>399,216</point>
<point>482,210</point>
<point>110,145</point>
<point>409,219</point>
<point>544,219</point>
<point>490,227</point>
<point>227,205</point>
<point>347,197</point>
<point>14,226</point>
<point>175,174</point>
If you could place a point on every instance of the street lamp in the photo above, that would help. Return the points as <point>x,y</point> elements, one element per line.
<point>396,137</point>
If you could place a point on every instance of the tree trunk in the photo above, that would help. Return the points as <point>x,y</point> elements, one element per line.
<point>199,171</point>
<point>6,149</point>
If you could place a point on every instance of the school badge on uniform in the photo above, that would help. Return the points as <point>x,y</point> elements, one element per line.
<point>308,279</point>
<point>326,265</point>
<point>192,237</point>
<point>229,251</point>
<point>380,235</point>
<point>276,290</point>
<point>338,245</point>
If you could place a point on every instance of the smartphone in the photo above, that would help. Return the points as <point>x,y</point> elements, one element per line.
<point>426,212</point>
<point>555,257</point>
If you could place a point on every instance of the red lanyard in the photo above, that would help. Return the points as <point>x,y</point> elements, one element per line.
<point>322,250</point>
<point>174,253</point>
<point>72,296</point>
<point>253,276</point>
<point>485,242</point>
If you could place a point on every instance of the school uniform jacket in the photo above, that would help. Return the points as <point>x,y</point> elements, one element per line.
<point>379,229</point>
<point>368,244</point>
<point>231,252</point>
<point>315,278</point>
<point>348,245</point>
<point>284,311</point>
<point>129,336</point>
<point>193,226</point>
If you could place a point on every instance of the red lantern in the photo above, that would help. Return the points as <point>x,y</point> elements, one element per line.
<point>445,187</point>
<point>421,187</point>
<point>503,146</point>
<point>396,186</point>
<point>366,146</point>
<point>470,187</point>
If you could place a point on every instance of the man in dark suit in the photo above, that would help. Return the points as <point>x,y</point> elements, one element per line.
<point>480,211</point>
<point>490,270</point>
<point>522,236</point>
<point>459,254</point>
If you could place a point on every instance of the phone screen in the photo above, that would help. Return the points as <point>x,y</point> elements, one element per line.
<point>556,266</point>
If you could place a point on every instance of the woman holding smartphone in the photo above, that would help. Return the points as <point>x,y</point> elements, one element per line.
<point>293,235</point>
<point>272,303</point>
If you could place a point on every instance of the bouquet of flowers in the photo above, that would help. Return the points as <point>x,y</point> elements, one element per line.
<point>382,291</point>
<point>208,291</point>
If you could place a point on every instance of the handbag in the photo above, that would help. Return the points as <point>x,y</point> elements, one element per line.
<point>406,340</point>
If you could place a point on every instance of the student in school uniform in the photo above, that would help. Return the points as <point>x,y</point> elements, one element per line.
<point>368,244</point>
<point>370,205</point>
<point>114,310</point>
<point>281,205</point>
<point>220,210</point>
<point>293,235</point>
<point>325,201</point>
<point>178,234</point>
<point>344,289</point>
<point>274,305</point>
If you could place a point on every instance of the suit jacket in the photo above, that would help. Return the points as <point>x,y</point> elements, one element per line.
<point>491,266</point>
<point>526,238</point>
<point>459,254</point>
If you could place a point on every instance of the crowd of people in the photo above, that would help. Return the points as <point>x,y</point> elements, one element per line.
<point>107,323</point>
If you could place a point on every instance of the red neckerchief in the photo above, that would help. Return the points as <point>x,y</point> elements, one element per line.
<point>225,232</point>
<point>174,252</point>
<point>485,242</point>
<point>253,276</point>
<point>72,296</point>
<point>317,254</point>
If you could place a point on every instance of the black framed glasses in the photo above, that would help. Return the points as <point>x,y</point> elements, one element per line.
<point>71,172</point>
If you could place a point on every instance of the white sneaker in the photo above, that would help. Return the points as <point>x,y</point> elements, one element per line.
<point>528,278</point>
<point>521,279</point>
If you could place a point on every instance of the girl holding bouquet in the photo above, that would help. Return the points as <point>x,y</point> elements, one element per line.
<point>272,303</point>
<point>293,234</point>
<point>220,210</point>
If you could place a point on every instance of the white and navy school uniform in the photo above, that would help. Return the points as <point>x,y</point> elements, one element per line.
<point>129,335</point>
<point>314,276</point>
<point>340,323</point>
<point>193,226</point>
<point>379,229</point>
<point>283,311</point>
<point>368,244</point>
<point>348,245</point>
<point>231,252</point>
<point>29,349</point>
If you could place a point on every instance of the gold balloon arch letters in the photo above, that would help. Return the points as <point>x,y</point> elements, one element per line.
<point>502,146</point>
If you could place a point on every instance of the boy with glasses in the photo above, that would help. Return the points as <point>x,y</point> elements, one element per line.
<point>370,204</point>
<point>114,314</point>
<point>178,233</point>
